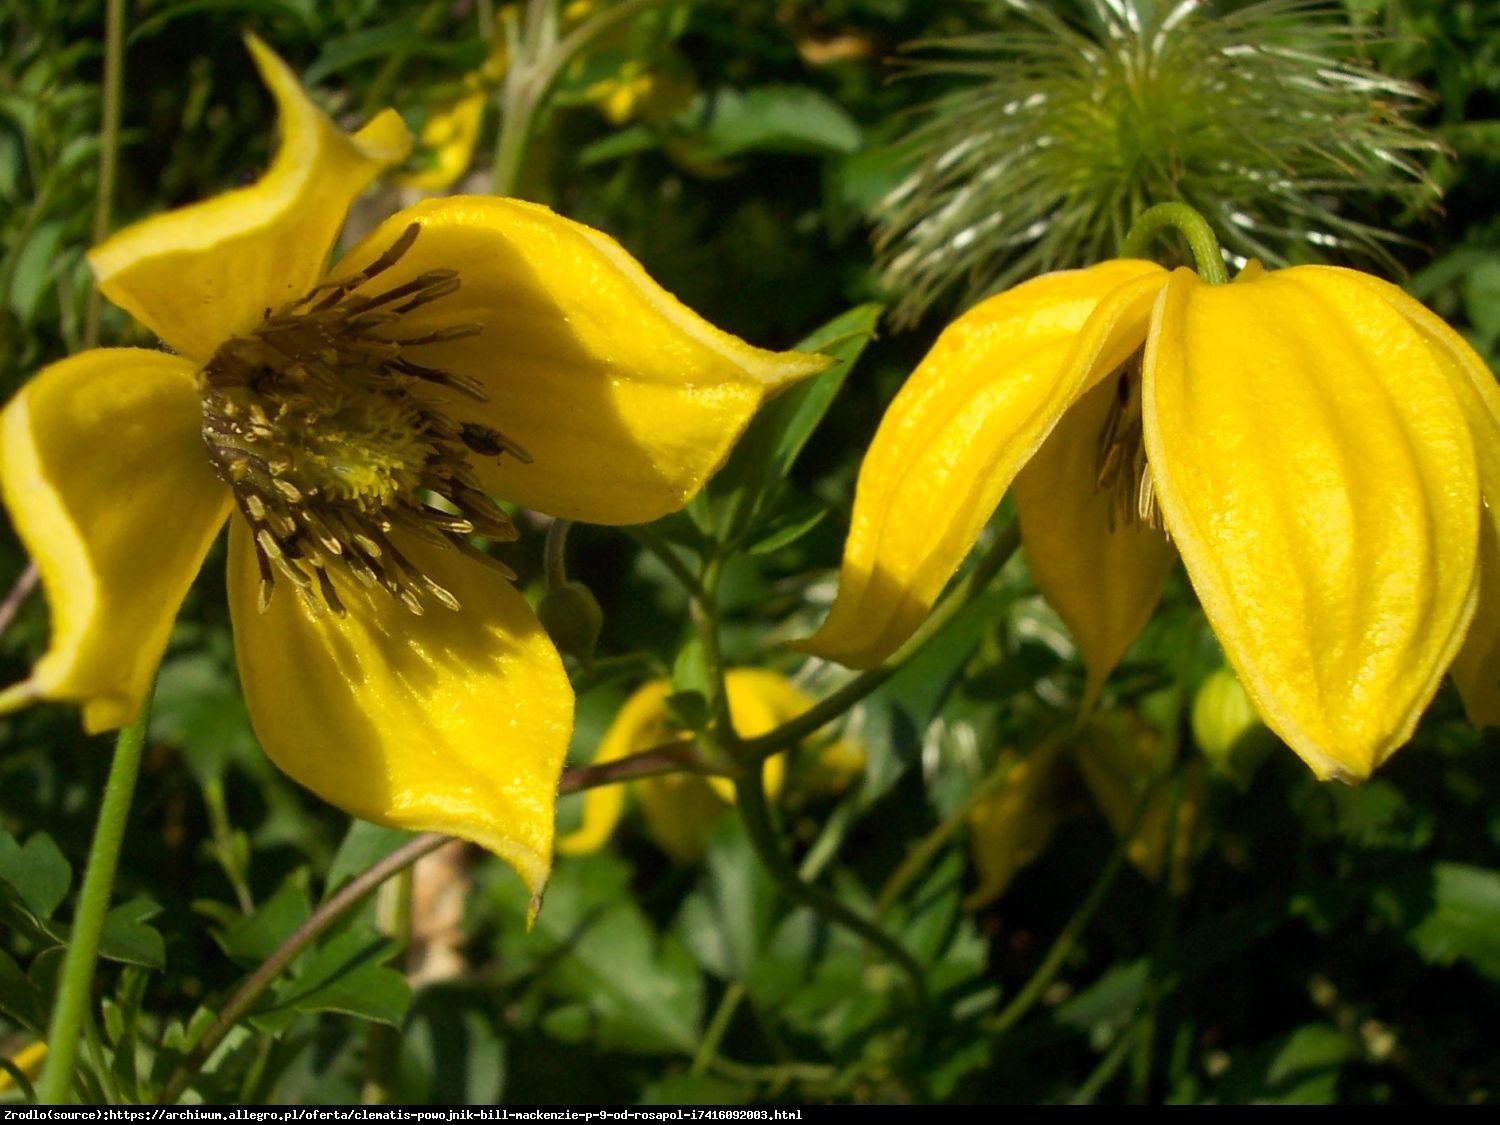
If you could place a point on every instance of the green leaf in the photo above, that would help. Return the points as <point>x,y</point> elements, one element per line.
<point>775,119</point>
<point>778,433</point>
<point>727,921</point>
<point>348,975</point>
<point>37,872</point>
<point>18,996</point>
<point>127,938</point>
<point>623,985</point>
<point>363,846</point>
<point>696,1089</point>
<point>787,533</point>
<point>1301,1068</point>
<point>1464,920</point>
<point>255,938</point>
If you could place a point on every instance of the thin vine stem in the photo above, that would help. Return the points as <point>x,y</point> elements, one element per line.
<point>109,148</point>
<point>750,793</point>
<point>75,986</point>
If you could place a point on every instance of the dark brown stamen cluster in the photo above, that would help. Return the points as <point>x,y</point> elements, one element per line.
<point>314,421</point>
<point>1120,465</point>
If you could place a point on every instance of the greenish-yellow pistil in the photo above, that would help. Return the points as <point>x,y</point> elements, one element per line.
<point>315,421</point>
<point>1120,465</point>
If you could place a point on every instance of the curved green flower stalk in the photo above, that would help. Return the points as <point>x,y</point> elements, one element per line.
<point>1065,133</point>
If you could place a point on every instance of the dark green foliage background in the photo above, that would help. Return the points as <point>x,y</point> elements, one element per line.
<point>1334,944</point>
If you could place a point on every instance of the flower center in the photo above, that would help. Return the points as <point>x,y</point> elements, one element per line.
<point>315,423</point>
<point>1120,465</point>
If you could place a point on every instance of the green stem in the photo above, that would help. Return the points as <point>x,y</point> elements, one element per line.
<point>653,542</point>
<point>1191,225</point>
<point>77,978</point>
<point>708,1050</point>
<point>534,68</point>
<point>555,554</point>
<point>750,796</point>
<point>1052,963</point>
<point>930,846</point>
<point>834,705</point>
<point>109,147</point>
<point>393,916</point>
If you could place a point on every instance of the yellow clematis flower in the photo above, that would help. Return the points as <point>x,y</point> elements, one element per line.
<point>1321,450</point>
<point>681,809</point>
<point>358,423</point>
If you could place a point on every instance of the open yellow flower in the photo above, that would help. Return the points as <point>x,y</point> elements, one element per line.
<point>681,809</point>
<point>359,423</point>
<point>1323,452</point>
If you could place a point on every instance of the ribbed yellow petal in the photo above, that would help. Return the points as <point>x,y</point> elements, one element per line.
<point>625,399</point>
<point>1103,582</point>
<point>1318,476</point>
<point>106,479</point>
<point>641,724</point>
<point>203,273</point>
<point>1476,669</point>
<point>979,406</point>
<point>454,721</point>
<point>1013,825</point>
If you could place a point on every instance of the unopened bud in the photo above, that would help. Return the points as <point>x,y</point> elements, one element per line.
<point>572,617</point>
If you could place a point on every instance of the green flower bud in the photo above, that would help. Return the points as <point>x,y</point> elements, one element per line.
<point>1228,729</point>
<point>572,617</point>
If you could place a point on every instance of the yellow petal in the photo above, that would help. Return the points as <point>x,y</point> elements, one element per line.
<point>1318,476</point>
<point>979,406</point>
<point>759,702</point>
<point>28,1060</point>
<point>1476,669</point>
<point>454,721</point>
<point>201,274</point>
<point>640,724</point>
<point>1013,825</point>
<point>105,475</point>
<point>681,813</point>
<point>625,399</point>
<point>1103,583</point>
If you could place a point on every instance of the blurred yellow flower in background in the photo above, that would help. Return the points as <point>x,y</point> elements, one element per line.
<point>1321,451</point>
<point>681,809</point>
<point>359,422</point>
<point>1115,756</point>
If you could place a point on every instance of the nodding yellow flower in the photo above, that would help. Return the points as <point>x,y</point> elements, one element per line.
<point>681,809</point>
<point>1321,451</point>
<point>357,422</point>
